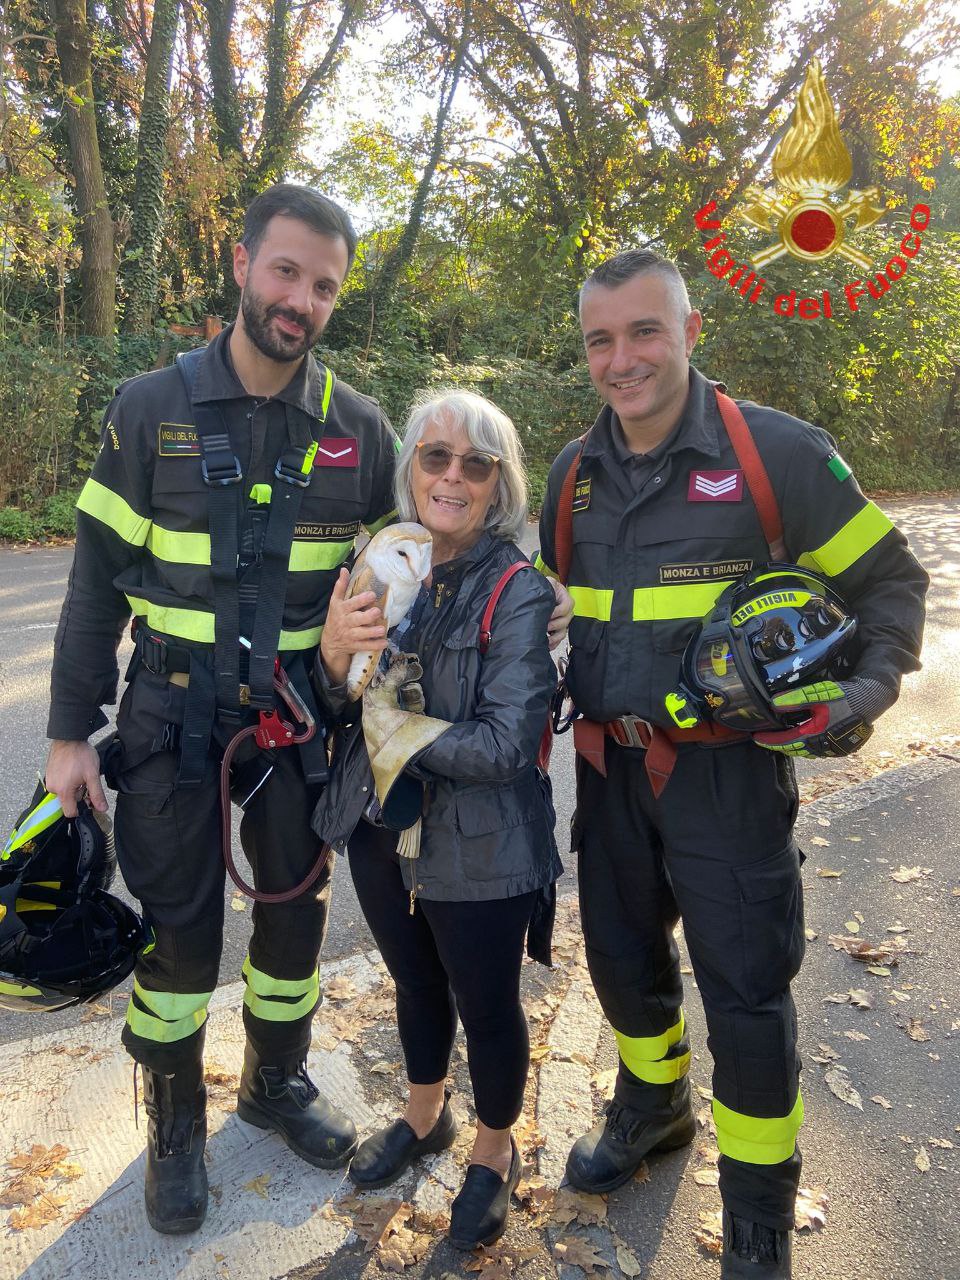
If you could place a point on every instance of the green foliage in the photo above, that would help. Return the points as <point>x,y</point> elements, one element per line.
<point>39,387</point>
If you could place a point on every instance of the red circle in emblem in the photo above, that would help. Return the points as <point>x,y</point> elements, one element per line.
<point>813,230</point>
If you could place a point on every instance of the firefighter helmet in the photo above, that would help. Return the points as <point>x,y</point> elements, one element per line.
<point>775,629</point>
<point>63,938</point>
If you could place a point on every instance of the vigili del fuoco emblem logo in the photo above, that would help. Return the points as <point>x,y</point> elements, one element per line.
<point>807,215</point>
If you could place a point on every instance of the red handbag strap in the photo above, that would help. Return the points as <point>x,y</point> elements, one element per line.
<point>495,594</point>
<point>755,474</point>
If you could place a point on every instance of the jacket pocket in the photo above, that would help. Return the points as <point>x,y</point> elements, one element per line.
<point>481,810</point>
<point>771,920</point>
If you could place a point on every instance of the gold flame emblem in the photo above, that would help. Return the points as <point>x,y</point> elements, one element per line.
<point>810,164</point>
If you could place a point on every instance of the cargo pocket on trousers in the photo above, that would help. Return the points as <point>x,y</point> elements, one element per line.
<point>771,923</point>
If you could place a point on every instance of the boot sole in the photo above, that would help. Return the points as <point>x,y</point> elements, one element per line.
<point>432,1150</point>
<point>260,1121</point>
<point>182,1226</point>
<point>465,1246</point>
<point>682,1139</point>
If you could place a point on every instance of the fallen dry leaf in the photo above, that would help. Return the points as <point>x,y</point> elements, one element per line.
<point>709,1234</point>
<point>886,952</point>
<point>259,1185</point>
<point>627,1261</point>
<point>861,999</point>
<point>496,1262</point>
<point>881,1101</point>
<point>402,1250</point>
<point>852,926</point>
<point>811,935</point>
<point>811,1208</point>
<point>944,1143</point>
<point>603,1081</point>
<point>905,875</point>
<point>838,1082</point>
<point>43,1211</point>
<point>916,1030</point>
<point>376,1217</point>
<point>856,1035</point>
<point>579,1253</point>
<point>642,1173</point>
<point>577,1206</point>
<point>237,904</point>
<point>902,996</point>
<point>706,1177</point>
<point>384,1068</point>
<point>922,1160</point>
<point>340,988</point>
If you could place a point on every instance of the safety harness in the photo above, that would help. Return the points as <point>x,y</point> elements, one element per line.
<point>633,731</point>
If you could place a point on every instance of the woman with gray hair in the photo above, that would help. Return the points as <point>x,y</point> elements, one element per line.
<point>451,925</point>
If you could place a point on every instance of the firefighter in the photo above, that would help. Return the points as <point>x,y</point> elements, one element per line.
<point>226,495</point>
<point>695,824</point>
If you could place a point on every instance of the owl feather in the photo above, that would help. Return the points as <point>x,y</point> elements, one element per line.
<point>392,565</point>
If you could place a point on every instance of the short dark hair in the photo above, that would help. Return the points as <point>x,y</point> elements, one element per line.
<point>288,200</point>
<point>622,267</point>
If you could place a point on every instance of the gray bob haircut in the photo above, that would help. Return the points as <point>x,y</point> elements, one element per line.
<point>487,428</point>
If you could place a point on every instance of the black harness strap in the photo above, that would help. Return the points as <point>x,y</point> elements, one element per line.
<point>219,689</point>
<point>291,478</point>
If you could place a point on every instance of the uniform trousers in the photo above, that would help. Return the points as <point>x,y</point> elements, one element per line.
<point>717,850</point>
<point>449,958</point>
<point>169,851</point>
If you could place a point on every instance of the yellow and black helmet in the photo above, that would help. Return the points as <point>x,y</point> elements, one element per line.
<point>776,628</point>
<point>63,938</point>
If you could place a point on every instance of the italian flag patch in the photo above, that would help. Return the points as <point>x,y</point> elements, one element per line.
<point>837,465</point>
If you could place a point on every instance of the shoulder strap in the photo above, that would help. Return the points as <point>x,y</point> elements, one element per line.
<point>485,633</point>
<point>563,532</point>
<point>755,474</point>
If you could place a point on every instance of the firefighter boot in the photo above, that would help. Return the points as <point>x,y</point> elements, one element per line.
<point>610,1154</point>
<point>752,1251</point>
<point>284,1098</point>
<point>175,1185</point>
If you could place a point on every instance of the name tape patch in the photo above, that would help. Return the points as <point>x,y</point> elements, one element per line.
<point>325,532</point>
<point>708,572</point>
<point>176,440</point>
<point>581,495</point>
<point>715,486</point>
<point>337,451</point>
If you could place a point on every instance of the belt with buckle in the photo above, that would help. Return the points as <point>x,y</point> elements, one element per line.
<point>182,680</point>
<point>630,731</point>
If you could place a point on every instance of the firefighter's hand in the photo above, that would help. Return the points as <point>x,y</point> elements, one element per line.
<point>835,723</point>
<point>353,624</point>
<point>72,774</point>
<point>562,615</point>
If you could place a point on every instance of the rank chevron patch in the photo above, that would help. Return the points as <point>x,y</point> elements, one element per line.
<point>715,486</point>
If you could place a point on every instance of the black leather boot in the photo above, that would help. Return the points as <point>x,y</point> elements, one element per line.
<point>752,1251</point>
<point>175,1186</point>
<point>610,1154</point>
<point>284,1098</point>
<point>387,1154</point>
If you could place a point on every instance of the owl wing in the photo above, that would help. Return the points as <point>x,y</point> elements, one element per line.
<point>362,665</point>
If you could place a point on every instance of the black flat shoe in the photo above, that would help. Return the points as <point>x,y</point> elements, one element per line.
<point>479,1213</point>
<point>387,1154</point>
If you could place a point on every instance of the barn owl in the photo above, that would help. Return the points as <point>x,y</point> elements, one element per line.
<point>392,564</point>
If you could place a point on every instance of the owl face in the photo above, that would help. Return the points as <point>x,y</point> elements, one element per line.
<point>400,554</point>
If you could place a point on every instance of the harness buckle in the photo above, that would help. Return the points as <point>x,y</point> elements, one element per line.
<point>153,652</point>
<point>631,731</point>
<point>221,477</point>
<point>290,467</point>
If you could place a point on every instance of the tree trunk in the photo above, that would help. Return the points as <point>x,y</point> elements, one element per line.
<point>402,255</point>
<point>142,278</point>
<point>98,273</point>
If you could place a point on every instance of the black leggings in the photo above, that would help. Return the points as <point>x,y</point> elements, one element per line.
<point>449,958</point>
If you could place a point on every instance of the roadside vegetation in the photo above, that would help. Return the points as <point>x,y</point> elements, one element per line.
<point>491,155</point>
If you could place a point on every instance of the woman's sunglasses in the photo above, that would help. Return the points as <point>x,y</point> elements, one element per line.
<point>475,465</point>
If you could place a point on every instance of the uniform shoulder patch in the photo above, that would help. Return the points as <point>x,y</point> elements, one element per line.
<point>177,440</point>
<point>581,495</point>
<point>837,467</point>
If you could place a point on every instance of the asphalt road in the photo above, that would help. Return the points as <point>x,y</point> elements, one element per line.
<point>32,585</point>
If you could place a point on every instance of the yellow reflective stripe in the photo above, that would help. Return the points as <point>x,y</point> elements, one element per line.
<point>686,600</point>
<point>541,564</point>
<point>299,639</point>
<point>169,1015</point>
<point>186,624</point>
<point>381,523</point>
<point>110,509</point>
<point>591,603</point>
<point>644,1055</point>
<point>307,556</point>
<point>327,392</point>
<point>755,1140</point>
<point>854,540</point>
<point>26,904</point>
<point>18,989</point>
<point>43,815</point>
<point>279,999</point>
<point>179,548</point>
